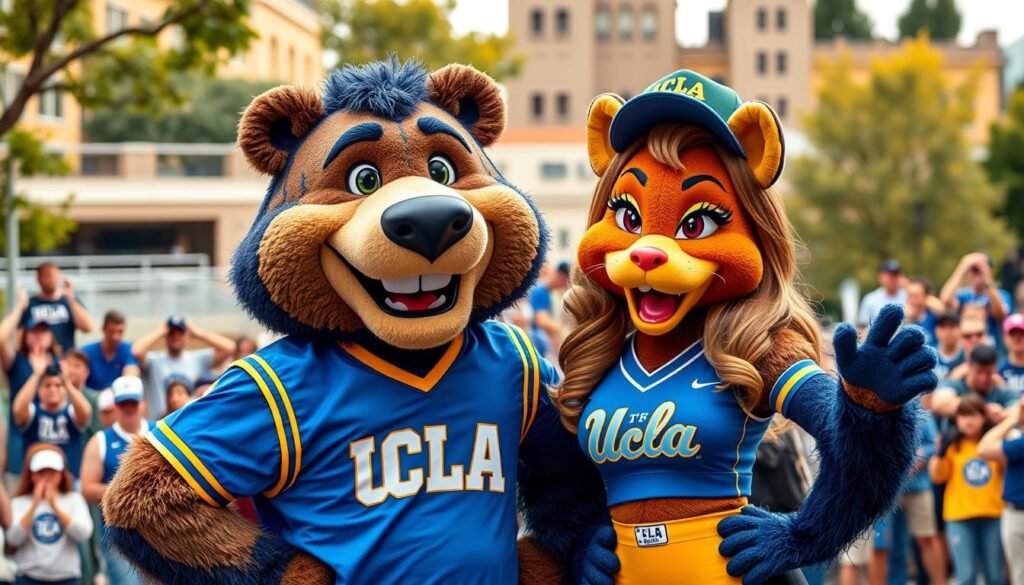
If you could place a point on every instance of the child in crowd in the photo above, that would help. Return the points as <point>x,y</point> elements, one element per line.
<point>973,503</point>
<point>49,521</point>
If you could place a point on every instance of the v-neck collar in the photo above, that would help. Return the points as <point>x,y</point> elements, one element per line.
<point>385,368</point>
<point>643,380</point>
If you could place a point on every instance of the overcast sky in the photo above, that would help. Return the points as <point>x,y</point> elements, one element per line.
<point>1006,16</point>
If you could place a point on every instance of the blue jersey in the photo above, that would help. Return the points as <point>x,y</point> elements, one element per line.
<point>947,364</point>
<point>113,446</point>
<point>671,433</point>
<point>1013,376</point>
<point>1013,483</point>
<point>927,323</point>
<point>56,428</point>
<point>102,372</point>
<point>386,475</point>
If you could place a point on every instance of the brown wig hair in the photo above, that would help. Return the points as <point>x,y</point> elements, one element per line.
<point>27,485</point>
<point>736,333</point>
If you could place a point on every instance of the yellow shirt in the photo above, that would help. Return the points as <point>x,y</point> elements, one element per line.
<point>973,486</point>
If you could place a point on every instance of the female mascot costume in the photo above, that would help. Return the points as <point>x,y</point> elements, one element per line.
<point>690,336</point>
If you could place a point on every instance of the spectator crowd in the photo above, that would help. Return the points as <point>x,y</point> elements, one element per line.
<point>961,517</point>
<point>72,413</point>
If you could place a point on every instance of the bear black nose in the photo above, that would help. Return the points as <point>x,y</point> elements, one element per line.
<point>427,225</point>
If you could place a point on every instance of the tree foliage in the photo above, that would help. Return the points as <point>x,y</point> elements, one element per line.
<point>133,68</point>
<point>939,18</point>
<point>840,18</point>
<point>1005,162</point>
<point>358,31</point>
<point>891,174</point>
<point>210,114</point>
<point>39,228</point>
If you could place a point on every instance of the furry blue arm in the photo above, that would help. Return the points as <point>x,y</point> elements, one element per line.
<point>266,566</point>
<point>865,453</point>
<point>561,495</point>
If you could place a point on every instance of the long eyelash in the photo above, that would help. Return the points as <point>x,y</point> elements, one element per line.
<point>720,213</point>
<point>621,200</point>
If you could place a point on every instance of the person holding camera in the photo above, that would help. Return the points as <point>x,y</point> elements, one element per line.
<point>972,284</point>
<point>61,415</point>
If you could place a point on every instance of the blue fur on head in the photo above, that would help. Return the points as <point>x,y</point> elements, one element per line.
<point>389,89</point>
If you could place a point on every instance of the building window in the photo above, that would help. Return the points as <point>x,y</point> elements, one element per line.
<point>626,23</point>
<point>562,22</point>
<point>603,21</point>
<point>780,62</point>
<point>12,82</point>
<point>563,238</point>
<point>117,18</point>
<point>274,68</point>
<point>553,171</point>
<point>762,19</point>
<point>51,103</point>
<point>762,62</point>
<point>537,22</point>
<point>781,107</point>
<point>649,23</point>
<point>780,19</point>
<point>562,105</point>
<point>537,106</point>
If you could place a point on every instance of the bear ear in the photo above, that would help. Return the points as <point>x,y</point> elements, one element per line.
<point>599,122</point>
<point>759,131</point>
<point>472,97</point>
<point>272,125</point>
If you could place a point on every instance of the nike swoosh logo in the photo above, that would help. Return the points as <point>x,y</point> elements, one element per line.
<point>697,385</point>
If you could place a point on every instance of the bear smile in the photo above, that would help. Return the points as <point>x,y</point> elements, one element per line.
<point>424,295</point>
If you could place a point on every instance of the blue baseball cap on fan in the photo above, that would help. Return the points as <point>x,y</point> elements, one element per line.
<point>177,321</point>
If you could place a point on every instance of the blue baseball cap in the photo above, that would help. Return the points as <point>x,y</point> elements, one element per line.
<point>177,321</point>
<point>685,97</point>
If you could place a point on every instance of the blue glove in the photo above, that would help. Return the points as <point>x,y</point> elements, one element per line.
<point>760,545</point>
<point>895,366</point>
<point>600,563</point>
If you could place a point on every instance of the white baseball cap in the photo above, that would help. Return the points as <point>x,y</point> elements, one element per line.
<point>127,388</point>
<point>105,400</point>
<point>46,459</point>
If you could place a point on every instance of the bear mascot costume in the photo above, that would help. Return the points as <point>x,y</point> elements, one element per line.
<point>690,335</point>
<point>388,436</point>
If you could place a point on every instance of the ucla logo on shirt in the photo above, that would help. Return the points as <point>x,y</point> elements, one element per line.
<point>654,438</point>
<point>46,529</point>
<point>977,472</point>
<point>52,313</point>
<point>54,429</point>
<point>393,478</point>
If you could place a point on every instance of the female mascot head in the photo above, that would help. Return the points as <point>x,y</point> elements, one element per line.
<point>685,233</point>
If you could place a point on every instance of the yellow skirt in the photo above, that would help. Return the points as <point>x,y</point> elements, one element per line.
<point>681,552</point>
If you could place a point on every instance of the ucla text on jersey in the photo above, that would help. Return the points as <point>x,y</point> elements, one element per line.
<point>397,453</point>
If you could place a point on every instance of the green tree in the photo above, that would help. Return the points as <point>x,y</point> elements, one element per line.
<point>358,31</point>
<point>209,114</point>
<point>891,174</point>
<point>835,18</point>
<point>38,227</point>
<point>939,18</point>
<point>55,42</point>
<point>1005,162</point>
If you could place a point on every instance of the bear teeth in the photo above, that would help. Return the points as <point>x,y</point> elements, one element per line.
<point>396,305</point>
<point>405,286</point>
<point>435,281</point>
<point>437,303</point>
<point>644,289</point>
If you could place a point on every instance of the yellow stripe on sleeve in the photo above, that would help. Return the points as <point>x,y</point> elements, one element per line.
<point>296,439</point>
<point>195,461</point>
<point>526,378</point>
<point>182,470</point>
<point>793,380</point>
<point>278,423</point>
<point>534,405</point>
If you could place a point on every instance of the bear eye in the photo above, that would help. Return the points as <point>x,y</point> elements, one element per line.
<point>363,179</point>
<point>441,169</point>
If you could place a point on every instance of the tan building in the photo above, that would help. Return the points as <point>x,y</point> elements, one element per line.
<point>287,49</point>
<point>765,49</point>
